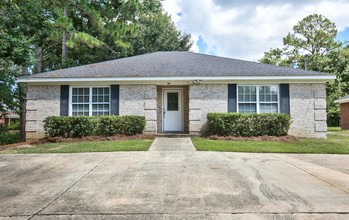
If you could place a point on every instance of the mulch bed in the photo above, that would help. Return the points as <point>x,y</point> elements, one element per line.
<point>285,139</point>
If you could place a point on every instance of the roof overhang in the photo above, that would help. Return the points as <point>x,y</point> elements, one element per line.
<point>203,79</point>
<point>340,101</point>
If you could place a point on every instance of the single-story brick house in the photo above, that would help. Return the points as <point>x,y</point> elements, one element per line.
<point>176,90</point>
<point>344,110</point>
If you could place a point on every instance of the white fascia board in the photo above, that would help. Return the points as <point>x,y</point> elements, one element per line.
<point>205,79</point>
<point>342,101</point>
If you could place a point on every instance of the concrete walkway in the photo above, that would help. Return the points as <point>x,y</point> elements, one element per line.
<point>172,144</point>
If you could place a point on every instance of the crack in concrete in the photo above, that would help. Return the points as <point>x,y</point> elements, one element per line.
<point>317,177</point>
<point>37,213</point>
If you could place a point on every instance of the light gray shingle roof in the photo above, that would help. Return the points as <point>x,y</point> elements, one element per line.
<point>174,64</point>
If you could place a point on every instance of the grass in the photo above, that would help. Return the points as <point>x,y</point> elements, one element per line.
<point>333,129</point>
<point>337,143</point>
<point>77,147</point>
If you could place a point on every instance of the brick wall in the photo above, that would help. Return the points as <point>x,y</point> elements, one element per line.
<point>42,101</point>
<point>204,99</point>
<point>140,100</point>
<point>307,103</point>
<point>308,110</point>
<point>344,108</point>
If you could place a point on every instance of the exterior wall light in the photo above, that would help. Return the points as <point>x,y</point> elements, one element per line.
<point>197,82</point>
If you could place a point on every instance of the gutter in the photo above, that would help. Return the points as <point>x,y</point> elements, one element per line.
<point>324,78</point>
<point>340,101</point>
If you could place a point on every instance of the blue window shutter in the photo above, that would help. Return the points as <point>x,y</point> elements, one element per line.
<point>64,105</point>
<point>285,98</point>
<point>232,98</point>
<point>115,96</point>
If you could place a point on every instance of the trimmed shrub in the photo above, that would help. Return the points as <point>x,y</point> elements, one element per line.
<point>65,126</point>
<point>127,125</point>
<point>79,126</point>
<point>236,124</point>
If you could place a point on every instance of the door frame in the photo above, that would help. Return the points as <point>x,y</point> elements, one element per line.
<point>180,90</point>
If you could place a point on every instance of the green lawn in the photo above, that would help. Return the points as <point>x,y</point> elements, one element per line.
<point>337,143</point>
<point>333,129</point>
<point>77,147</point>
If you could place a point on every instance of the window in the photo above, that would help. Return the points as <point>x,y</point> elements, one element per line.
<point>90,101</point>
<point>258,99</point>
<point>172,101</point>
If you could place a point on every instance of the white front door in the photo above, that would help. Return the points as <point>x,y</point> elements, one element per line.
<point>172,110</point>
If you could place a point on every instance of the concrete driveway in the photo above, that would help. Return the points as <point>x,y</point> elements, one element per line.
<point>174,185</point>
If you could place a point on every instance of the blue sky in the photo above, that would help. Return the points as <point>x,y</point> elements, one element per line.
<point>343,35</point>
<point>246,29</point>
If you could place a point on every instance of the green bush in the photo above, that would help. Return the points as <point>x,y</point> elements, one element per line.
<point>78,126</point>
<point>14,126</point>
<point>8,137</point>
<point>235,124</point>
<point>127,125</point>
<point>333,119</point>
<point>66,126</point>
<point>56,126</point>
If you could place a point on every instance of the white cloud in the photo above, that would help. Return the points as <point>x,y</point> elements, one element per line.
<point>246,29</point>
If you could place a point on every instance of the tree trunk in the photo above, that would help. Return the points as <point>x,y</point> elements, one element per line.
<point>64,40</point>
<point>23,105</point>
<point>38,59</point>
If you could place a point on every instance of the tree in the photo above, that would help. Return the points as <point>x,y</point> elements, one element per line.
<point>156,32</point>
<point>336,62</point>
<point>311,38</point>
<point>44,35</point>
<point>275,57</point>
<point>312,46</point>
<point>306,45</point>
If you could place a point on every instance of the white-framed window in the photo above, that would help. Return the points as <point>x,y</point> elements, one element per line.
<point>258,98</point>
<point>89,101</point>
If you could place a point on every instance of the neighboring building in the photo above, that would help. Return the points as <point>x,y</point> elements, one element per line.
<point>7,118</point>
<point>176,90</point>
<point>344,109</point>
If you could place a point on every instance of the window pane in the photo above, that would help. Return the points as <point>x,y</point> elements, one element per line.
<point>86,91</point>
<point>172,101</point>
<point>274,98</point>
<point>75,91</point>
<point>268,108</point>
<point>247,108</point>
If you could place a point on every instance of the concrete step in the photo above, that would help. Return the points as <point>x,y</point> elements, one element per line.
<point>176,135</point>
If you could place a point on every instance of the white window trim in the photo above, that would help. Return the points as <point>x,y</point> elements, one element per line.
<point>257,97</point>
<point>70,108</point>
